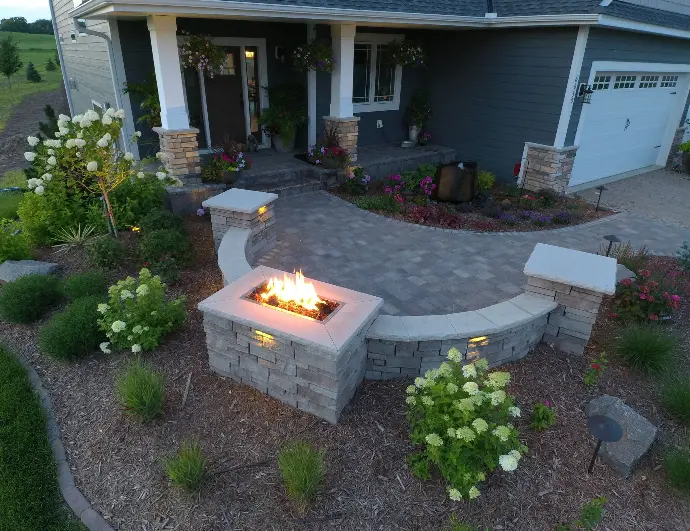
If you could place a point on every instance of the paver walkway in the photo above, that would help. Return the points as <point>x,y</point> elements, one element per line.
<point>421,270</point>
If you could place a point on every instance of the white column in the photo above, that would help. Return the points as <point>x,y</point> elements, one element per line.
<point>343,36</point>
<point>166,62</point>
<point>311,94</point>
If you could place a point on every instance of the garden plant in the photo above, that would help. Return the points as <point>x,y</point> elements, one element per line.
<point>303,471</point>
<point>141,391</point>
<point>543,416</point>
<point>187,468</point>
<point>73,333</point>
<point>28,298</point>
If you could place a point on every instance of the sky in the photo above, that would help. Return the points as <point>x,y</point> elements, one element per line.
<point>29,9</point>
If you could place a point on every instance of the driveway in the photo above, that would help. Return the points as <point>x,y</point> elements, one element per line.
<point>660,194</point>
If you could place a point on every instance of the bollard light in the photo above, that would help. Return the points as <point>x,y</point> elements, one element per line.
<point>601,191</point>
<point>611,238</point>
<point>605,429</point>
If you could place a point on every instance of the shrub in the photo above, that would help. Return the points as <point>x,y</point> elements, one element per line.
<point>43,215</point>
<point>106,251</point>
<point>92,282</point>
<point>456,525</point>
<point>71,238</point>
<point>166,251</point>
<point>547,197</point>
<point>384,203</point>
<point>633,259</point>
<point>50,66</point>
<point>543,416</point>
<point>32,74</point>
<point>647,297</point>
<point>303,472</point>
<point>212,171</point>
<point>491,211</point>
<point>591,514</point>
<point>73,333</point>
<point>14,245</point>
<point>26,299</point>
<point>562,218</point>
<point>136,198</point>
<point>646,348</point>
<point>356,181</point>
<point>677,466</point>
<point>161,219</point>
<point>460,416</point>
<point>137,315</point>
<point>487,180</point>
<point>141,391</point>
<point>188,468</point>
<point>683,255</point>
<point>596,370</point>
<point>677,397</point>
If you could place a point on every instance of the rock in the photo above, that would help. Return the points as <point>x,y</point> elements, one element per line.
<point>638,434</point>
<point>13,269</point>
<point>506,203</point>
<point>623,272</point>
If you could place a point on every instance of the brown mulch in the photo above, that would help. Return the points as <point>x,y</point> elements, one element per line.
<point>117,461</point>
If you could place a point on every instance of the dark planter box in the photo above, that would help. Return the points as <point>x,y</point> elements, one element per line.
<point>456,184</point>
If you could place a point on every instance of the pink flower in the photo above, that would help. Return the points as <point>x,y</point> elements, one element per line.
<point>646,273</point>
<point>643,296</point>
<point>613,315</point>
<point>675,298</point>
<point>547,403</point>
<point>626,282</point>
<point>653,317</point>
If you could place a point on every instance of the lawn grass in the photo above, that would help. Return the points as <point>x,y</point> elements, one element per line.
<point>13,178</point>
<point>29,494</point>
<point>37,49</point>
<point>9,201</point>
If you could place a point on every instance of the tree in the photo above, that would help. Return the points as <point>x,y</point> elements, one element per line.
<point>18,24</point>
<point>57,58</point>
<point>48,127</point>
<point>32,74</point>
<point>42,26</point>
<point>50,66</point>
<point>10,63</point>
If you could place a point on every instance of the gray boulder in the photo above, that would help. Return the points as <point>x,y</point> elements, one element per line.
<point>13,269</point>
<point>623,272</point>
<point>638,434</point>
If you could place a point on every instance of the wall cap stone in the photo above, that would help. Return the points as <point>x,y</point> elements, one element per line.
<point>343,119</point>
<point>240,200</point>
<point>232,259</point>
<point>575,268</point>
<point>161,131</point>
<point>551,148</point>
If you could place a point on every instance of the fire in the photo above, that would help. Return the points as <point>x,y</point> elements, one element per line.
<point>298,291</point>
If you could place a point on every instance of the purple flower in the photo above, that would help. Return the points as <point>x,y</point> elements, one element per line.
<point>200,212</point>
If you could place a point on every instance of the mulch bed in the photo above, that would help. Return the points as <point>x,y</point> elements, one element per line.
<point>117,461</point>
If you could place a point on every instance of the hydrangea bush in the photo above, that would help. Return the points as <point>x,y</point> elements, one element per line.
<point>137,315</point>
<point>648,297</point>
<point>461,416</point>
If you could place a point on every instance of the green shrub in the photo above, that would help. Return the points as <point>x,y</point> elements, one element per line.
<point>166,251</point>
<point>14,245</point>
<point>677,466</point>
<point>9,203</point>
<point>460,417</point>
<point>188,468</point>
<point>137,315</point>
<point>134,199</point>
<point>161,219</point>
<point>683,255</point>
<point>547,197</point>
<point>677,397</point>
<point>212,171</point>
<point>487,180</point>
<point>107,252</point>
<point>625,254</point>
<point>26,299</point>
<point>303,471</point>
<point>646,348</point>
<point>543,416</point>
<point>69,238</point>
<point>92,282</point>
<point>591,515</point>
<point>454,524</point>
<point>73,333</point>
<point>141,391</point>
<point>384,203</point>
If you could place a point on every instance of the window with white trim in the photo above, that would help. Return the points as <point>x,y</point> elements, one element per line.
<point>669,81</point>
<point>375,84</point>
<point>623,82</point>
<point>601,82</point>
<point>649,81</point>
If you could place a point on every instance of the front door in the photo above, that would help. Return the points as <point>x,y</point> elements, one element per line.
<point>225,100</point>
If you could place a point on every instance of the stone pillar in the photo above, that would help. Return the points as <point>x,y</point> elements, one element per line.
<point>348,129</point>
<point>180,151</point>
<point>548,167</point>
<point>674,155</point>
<point>577,282</point>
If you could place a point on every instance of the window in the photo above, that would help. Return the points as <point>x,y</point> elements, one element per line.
<point>669,81</point>
<point>649,81</point>
<point>601,82</point>
<point>81,25</point>
<point>623,82</point>
<point>73,37</point>
<point>376,84</point>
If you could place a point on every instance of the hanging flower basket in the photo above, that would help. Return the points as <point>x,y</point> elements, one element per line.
<point>315,55</point>
<point>405,53</point>
<point>199,52</point>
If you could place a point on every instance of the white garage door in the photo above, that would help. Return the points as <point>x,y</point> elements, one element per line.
<point>625,123</point>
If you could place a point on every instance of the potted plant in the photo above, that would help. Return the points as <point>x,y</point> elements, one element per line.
<point>418,112</point>
<point>315,55</point>
<point>284,115</point>
<point>199,52</point>
<point>405,53</point>
<point>684,148</point>
<point>329,157</point>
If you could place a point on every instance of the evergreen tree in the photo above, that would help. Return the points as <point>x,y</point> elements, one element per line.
<point>57,58</point>
<point>50,66</point>
<point>32,74</point>
<point>10,63</point>
<point>47,129</point>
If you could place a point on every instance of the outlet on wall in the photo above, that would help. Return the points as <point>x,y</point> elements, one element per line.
<point>379,124</point>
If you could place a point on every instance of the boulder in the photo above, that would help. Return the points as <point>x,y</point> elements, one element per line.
<point>623,272</point>
<point>638,434</point>
<point>13,269</point>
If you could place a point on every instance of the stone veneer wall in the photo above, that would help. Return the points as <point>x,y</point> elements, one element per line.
<point>548,167</point>
<point>348,128</point>
<point>674,156</point>
<point>180,151</point>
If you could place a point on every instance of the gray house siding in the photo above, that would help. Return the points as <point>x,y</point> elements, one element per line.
<point>611,45</point>
<point>492,91</point>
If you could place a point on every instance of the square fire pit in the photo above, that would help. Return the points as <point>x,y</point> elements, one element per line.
<point>312,358</point>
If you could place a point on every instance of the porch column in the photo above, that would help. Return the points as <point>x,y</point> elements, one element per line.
<point>341,117</point>
<point>178,141</point>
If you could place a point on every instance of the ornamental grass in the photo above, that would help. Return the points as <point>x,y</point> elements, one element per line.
<point>676,397</point>
<point>646,348</point>
<point>187,469</point>
<point>141,391</point>
<point>677,466</point>
<point>303,471</point>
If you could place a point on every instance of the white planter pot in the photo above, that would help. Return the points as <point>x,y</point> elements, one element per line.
<point>281,146</point>
<point>414,133</point>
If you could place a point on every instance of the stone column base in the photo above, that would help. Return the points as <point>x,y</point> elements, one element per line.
<point>180,151</point>
<point>674,156</point>
<point>548,167</point>
<point>348,128</point>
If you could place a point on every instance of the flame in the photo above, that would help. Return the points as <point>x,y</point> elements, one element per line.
<point>297,291</point>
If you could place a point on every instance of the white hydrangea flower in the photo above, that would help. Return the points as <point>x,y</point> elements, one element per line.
<point>454,355</point>
<point>176,181</point>
<point>64,118</point>
<point>502,432</point>
<point>427,401</point>
<point>411,400</point>
<point>126,294</point>
<point>39,190</point>
<point>78,154</point>
<point>137,134</point>
<point>142,290</point>
<point>137,329</point>
<point>110,112</point>
<point>30,156</point>
<point>47,177</point>
<point>102,308</point>
<point>465,434</point>
<point>514,411</point>
<point>91,115</point>
<point>497,397</point>
<point>33,183</point>
<point>118,326</point>
<point>78,118</point>
<point>159,155</point>
<point>58,133</point>
<point>136,348</point>
<point>80,142</point>
<point>474,493</point>
<point>471,388</point>
<point>52,161</point>
<point>85,123</point>
<point>452,388</point>
<point>508,463</point>
<point>419,382</point>
<point>480,425</point>
<point>102,142</point>
<point>51,152</point>
<point>92,166</point>
<point>71,142</point>
<point>515,454</point>
<point>454,495</point>
<point>433,439</point>
<point>106,120</point>
<point>120,114</point>
<point>468,371</point>
<point>161,175</point>
<point>411,389</point>
<point>32,140</point>
<point>129,156</point>
<point>104,347</point>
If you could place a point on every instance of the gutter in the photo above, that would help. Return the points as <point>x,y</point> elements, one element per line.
<point>63,68</point>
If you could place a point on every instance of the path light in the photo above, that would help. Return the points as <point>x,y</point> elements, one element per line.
<point>611,238</point>
<point>604,429</point>
<point>601,191</point>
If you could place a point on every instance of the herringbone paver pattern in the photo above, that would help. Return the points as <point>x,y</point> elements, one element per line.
<point>420,270</point>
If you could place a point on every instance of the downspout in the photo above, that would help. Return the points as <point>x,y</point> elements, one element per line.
<point>63,69</point>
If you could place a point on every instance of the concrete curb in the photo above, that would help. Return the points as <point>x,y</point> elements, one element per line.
<point>72,495</point>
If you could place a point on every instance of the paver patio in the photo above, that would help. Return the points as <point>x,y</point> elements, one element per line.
<point>421,270</point>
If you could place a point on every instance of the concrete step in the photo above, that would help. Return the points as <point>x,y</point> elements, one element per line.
<point>296,187</point>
